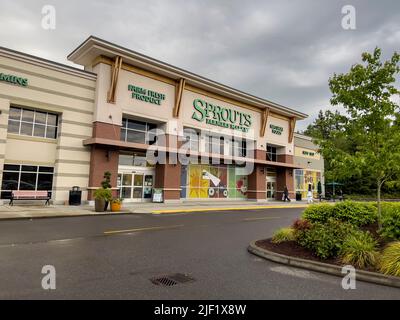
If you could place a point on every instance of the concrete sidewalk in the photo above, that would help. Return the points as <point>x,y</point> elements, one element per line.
<point>40,211</point>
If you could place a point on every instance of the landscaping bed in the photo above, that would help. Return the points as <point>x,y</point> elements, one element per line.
<point>347,233</point>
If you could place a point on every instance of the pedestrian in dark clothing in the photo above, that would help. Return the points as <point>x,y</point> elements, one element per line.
<point>286,194</point>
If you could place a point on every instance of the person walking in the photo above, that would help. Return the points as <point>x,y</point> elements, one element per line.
<point>286,194</point>
<point>310,195</point>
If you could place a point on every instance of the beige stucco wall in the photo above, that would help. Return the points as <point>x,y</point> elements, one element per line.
<point>279,140</point>
<point>54,89</point>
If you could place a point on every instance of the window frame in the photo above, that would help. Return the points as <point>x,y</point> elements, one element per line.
<point>34,123</point>
<point>148,127</point>
<point>20,171</point>
<point>272,153</point>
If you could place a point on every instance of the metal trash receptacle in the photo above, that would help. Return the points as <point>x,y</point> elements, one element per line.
<point>298,196</point>
<point>75,196</point>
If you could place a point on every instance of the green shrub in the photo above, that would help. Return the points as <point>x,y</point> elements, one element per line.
<point>390,259</point>
<point>325,239</point>
<point>318,212</point>
<point>101,193</point>
<point>359,250</point>
<point>390,221</point>
<point>283,234</point>
<point>356,213</point>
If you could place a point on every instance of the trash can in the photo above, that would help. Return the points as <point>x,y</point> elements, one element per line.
<point>298,196</point>
<point>75,196</point>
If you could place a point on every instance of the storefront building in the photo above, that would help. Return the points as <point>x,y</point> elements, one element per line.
<point>307,157</point>
<point>150,124</point>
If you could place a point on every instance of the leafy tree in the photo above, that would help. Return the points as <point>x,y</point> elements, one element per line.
<point>372,121</point>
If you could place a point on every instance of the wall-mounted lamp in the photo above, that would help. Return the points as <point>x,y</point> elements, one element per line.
<point>108,154</point>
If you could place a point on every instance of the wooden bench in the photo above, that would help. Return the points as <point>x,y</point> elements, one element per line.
<point>30,195</point>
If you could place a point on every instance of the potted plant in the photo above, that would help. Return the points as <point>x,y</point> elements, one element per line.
<point>116,204</point>
<point>101,197</point>
<point>106,184</point>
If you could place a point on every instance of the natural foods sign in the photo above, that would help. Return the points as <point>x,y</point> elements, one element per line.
<point>276,129</point>
<point>308,153</point>
<point>23,82</point>
<point>221,117</point>
<point>146,95</point>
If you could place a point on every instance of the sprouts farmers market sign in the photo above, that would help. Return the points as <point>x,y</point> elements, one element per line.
<point>23,82</point>
<point>146,95</point>
<point>221,117</point>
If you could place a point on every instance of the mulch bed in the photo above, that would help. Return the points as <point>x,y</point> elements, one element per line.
<point>292,249</point>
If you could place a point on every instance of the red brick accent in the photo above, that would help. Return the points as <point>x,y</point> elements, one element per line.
<point>284,178</point>
<point>106,130</point>
<point>103,159</point>
<point>286,158</point>
<point>260,154</point>
<point>257,184</point>
<point>168,177</point>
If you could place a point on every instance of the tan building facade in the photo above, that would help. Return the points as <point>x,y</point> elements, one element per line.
<point>311,166</point>
<point>150,124</point>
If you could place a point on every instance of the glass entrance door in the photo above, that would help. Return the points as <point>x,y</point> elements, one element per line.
<point>135,186</point>
<point>271,184</point>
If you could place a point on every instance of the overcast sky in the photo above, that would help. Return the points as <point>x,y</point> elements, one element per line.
<point>284,51</point>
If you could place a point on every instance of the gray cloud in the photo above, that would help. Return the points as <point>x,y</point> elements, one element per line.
<point>284,51</point>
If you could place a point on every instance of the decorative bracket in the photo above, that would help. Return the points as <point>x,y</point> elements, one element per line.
<point>178,97</point>
<point>292,125</point>
<point>264,120</point>
<point>115,69</point>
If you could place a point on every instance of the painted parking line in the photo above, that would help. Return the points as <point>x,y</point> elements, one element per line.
<point>263,218</point>
<point>228,209</point>
<point>142,229</point>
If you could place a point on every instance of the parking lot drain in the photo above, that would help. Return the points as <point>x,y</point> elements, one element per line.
<point>171,280</point>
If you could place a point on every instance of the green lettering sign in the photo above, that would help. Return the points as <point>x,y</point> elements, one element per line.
<point>23,82</point>
<point>146,95</point>
<point>308,153</point>
<point>276,129</point>
<point>221,117</point>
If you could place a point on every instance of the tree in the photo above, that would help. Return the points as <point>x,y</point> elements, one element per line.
<point>366,92</point>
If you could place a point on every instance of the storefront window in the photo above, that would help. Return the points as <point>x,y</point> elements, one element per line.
<point>138,131</point>
<point>23,177</point>
<point>239,148</point>
<point>214,144</point>
<point>32,123</point>
<point>304,179</point>
<point>191,139</point>
<point>136,160</point>
<point>214,181</point>
<point>271,153</point>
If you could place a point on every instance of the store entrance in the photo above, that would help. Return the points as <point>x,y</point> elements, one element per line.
<point>135,186</point>
<point>271,184</point>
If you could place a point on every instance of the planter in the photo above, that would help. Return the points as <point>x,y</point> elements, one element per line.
<point>115,207</point>
<point>99,205</point>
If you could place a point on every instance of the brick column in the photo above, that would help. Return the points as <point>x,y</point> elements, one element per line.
<point>257,184</point>
<point>285,178</point>
<point>168,178</point>
<point>103,158</point>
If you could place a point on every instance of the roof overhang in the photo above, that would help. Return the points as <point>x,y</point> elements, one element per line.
<point>94,47</point>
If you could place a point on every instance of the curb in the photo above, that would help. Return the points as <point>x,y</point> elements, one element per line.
<point>66,216</point>
<point>228,209</point>
<point>362,275</point>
